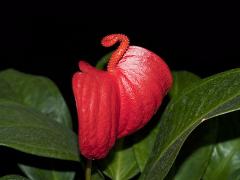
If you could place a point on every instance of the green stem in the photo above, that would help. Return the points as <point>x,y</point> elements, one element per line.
<point>88,169</point>
<point>103,61</point>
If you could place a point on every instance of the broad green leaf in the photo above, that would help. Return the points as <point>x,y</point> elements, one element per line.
<point>203,140</point>
<point>120,164</point>
<point>36,92</point>
<point>222,159</point>
<point>213,96</point>
<point>181,81</point>
<point>225,162</point>
<point>103,61</point>
<point>27,130</point>
<point>13,177</point>
<point>195,165</point>
<point>225,157</point>
<point>6,92</point>
<point>41,94</point>
<point>144,141</point>
<point>47,173</point>
<point>145,138</point>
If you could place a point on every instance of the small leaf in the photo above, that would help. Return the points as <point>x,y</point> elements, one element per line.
<point>213,96</point>
<point>24,129</point>
<point>120,164</point>
<point>13,177</point>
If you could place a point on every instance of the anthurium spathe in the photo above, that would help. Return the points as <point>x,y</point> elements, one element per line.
<point>117,102</point>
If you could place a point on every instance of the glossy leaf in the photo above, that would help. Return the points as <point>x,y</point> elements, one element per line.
<point>120,164</point>
<point>27,130</point>
<point>181,81</point>
<point>213,96</point>
<point>222,160</point>
<point>103,61</point>
<point>200,146</point>
<point>144,141</point>
<point>145,138</point>
<point>41,94</point>
<point>37,92</point>
<point>13,177</point>
<point>47,174</point>
<point>225,158</point>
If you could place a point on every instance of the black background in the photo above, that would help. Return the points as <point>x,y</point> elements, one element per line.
<point>50,38</point>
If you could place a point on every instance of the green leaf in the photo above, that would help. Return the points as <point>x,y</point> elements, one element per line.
<point>6,92</point>
<point>97,175</point>
<point>200,146</point>
<point>24,129</point>
<point>103,61</point>
<point>47,174</point>
<point>222,158</point>
<point>145,138</point>
<point>13,177</point>
<point>36,92</point>
<point>120,164</point>
<point>181,81</point>
<point>144,141</point>
<point>213,96</point>
<point>42,95</point>
<point>225,157</point>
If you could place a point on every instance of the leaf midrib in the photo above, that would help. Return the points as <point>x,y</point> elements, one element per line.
<point>183,132</point>
<point>202,117</point>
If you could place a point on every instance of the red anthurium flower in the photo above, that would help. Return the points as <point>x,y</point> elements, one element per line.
<point>117,102</point>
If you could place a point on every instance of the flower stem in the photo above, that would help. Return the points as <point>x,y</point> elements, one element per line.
<point>88,169</point>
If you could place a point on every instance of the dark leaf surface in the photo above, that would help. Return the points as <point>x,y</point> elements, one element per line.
<point>146,137</point>
<point>34,119</point>
<point>213,96</point>
<point>181,82</point>
<point>120,164</point>
<point>36,92</point>
<point>13,177</point>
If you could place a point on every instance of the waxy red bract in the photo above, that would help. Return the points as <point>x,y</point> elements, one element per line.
<point>115,103</point>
